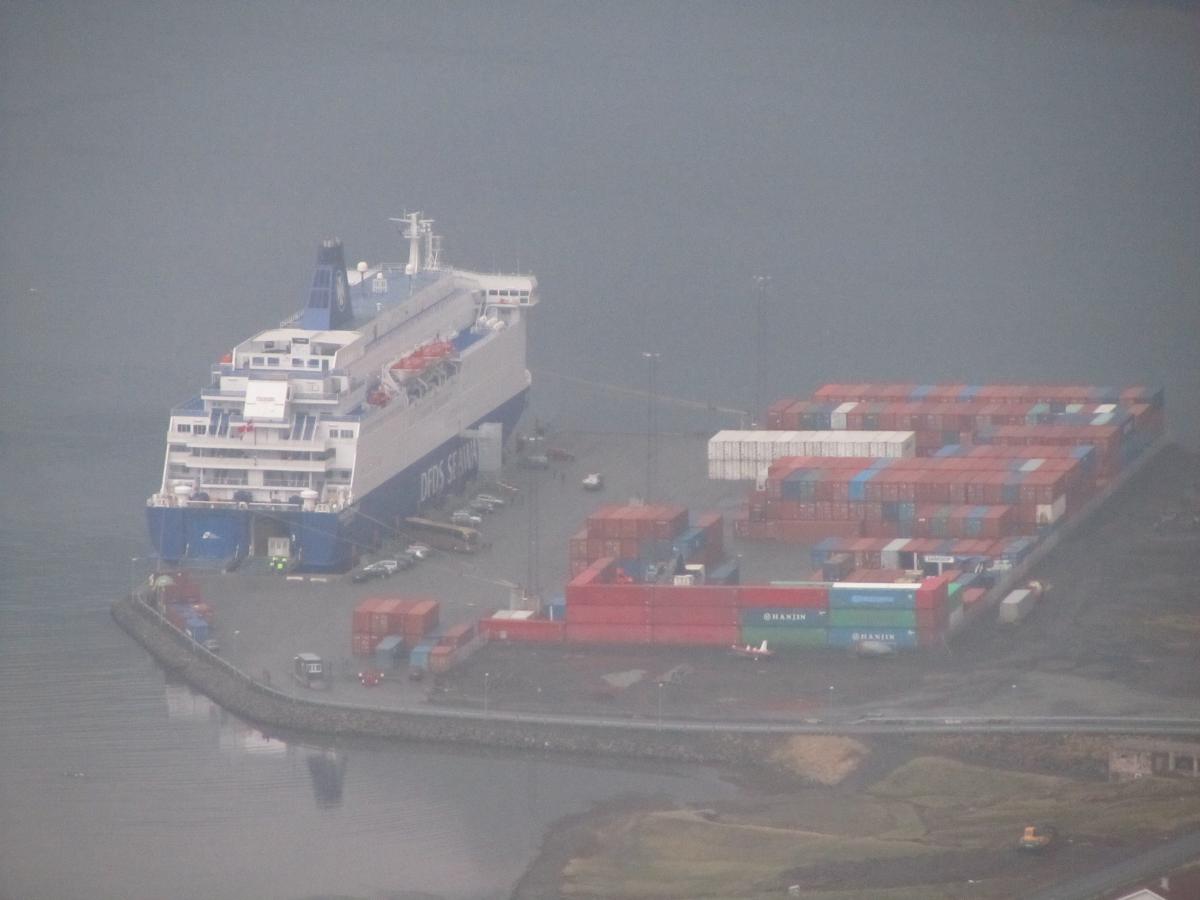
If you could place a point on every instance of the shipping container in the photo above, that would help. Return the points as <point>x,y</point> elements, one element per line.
<point>363,643</point>
<point>813,596</point>
<point>1016,606</point>
<point>390,652</point>
<point>692,615</point>
<point>525,630</point>
<point>784,617</point>
<point>781,638</point>
<point>900,638</point>
<point>886,618</point>
<point>695,635</point>
<point>872,596</point>
<point>747,455</point>
<point>607,634</point>
<point>613,614</point>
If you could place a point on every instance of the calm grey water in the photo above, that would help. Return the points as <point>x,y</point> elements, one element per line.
<point>940,191</point>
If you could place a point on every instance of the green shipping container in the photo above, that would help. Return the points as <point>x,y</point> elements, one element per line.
<point>872,618</point>
<point>778,638</point>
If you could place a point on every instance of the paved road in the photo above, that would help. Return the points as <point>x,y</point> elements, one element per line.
<point>1151,864</point>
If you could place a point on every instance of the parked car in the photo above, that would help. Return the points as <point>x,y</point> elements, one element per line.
<point>383,568</point>
<point>536,461</point>
<point>370,677</point>
<point>465,517</point>
<point>419,551</point>
<point>490,498</point>
<point>593,481</point>
<point>481,506</point>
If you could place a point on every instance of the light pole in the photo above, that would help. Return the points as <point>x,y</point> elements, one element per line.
<point>762,284</point>
<point>660,687</point>
<point>486,677</point>
<point>831,692</point>
<point>651,421</point>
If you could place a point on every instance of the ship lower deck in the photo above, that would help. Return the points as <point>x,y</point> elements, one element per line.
<point>221,536</point>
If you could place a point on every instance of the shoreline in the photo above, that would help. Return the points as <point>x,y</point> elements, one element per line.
<point>263,705</point>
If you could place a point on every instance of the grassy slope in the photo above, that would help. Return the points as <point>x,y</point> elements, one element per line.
<point>933,809</point>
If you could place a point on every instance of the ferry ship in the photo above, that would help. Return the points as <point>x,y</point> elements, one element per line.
<point>313,440</point>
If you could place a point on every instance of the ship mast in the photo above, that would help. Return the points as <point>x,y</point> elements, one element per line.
<point>418,231</point>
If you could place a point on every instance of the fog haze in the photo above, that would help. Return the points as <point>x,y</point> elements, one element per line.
<point>963,192</point>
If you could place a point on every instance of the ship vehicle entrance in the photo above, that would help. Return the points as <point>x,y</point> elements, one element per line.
<point>269,536</point>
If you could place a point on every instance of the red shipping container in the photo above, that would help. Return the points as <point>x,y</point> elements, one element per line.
<point>458,635</point>
<point>525,630</point>
<point>420,618</point>
<point>693,615</point>
<point>607,634</point>
<point>599,571</point>
<point>697,636</point>
<point>932,592</point>
<point>363,643</point>
<point>610,595</point>
<point>790,596</point>
<point>972,595</point>
<point>624,614</point>
<point>694,595</point>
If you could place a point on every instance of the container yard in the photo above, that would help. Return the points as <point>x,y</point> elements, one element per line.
<point>942,512</point>
<point>665,593</point>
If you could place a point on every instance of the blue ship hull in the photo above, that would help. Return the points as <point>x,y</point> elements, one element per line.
<point>324,541</point>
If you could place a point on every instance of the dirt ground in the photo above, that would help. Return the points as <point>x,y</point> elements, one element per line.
<point>932,826</point>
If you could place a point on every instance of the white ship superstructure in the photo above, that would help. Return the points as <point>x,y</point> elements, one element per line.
<point>358,406</point>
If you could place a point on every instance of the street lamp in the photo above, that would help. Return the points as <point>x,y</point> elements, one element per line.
<point>486,677</point>
<point>651,421</point>
<point>660,689</point>
<point>831,692</point>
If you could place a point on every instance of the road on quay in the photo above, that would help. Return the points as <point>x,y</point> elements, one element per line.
<point>864,725</point>
<point>1150,864</point>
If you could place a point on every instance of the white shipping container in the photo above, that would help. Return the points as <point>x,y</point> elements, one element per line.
<point>1049,513</point>
<point>754,451</point>
<point>1016,606</point>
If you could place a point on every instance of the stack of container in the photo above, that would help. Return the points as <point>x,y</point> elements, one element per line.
<point>746,455</point>
<point>980,472</point>
<point>453,646</point>
<point>638,536</point>
<point>600,610</point>
<point>376,618</point>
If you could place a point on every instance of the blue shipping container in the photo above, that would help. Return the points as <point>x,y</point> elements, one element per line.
<point>389,651</point>
<point>197,629</point>
<point>866,596</point>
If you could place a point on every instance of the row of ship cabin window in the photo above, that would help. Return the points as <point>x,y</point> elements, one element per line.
<point>185,428</point>
<point>296,362</point>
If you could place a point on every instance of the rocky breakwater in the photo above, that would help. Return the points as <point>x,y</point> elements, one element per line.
<point>259,703</point>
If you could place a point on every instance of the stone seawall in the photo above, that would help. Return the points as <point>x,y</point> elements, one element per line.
<point>265,706</point>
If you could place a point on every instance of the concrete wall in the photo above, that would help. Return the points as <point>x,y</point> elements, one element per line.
<point>263,705</point>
